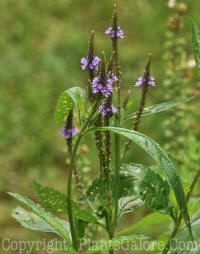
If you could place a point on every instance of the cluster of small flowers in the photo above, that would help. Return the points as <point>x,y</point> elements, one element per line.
<point>92,66</point>
<point>115,34</point>
<point>107,89</point>
<point>106,108</point>
<point>68,133</point>
<point>141,81</point>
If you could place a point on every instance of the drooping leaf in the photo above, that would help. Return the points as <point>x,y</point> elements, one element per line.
<point>56,201</point>
<point>184,237</point>
<point>73,97</point>
<point>150,187</point>
<point>155,151</point>
<point>34,222</point>
<point>160,107</point>
<point>96,191</point>
<point>128,205</point>
<point>196,43</point>
<point>51,220</point>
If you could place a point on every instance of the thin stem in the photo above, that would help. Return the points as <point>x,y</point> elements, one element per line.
<point>69,186</point>
<point>138,116</point>
<point>116,136</point>
<point>176,228</point>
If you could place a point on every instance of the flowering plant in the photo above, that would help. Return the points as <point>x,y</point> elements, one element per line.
<point>120,188</point>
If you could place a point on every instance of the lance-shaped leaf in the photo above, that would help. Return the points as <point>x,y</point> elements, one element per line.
<point>160,107</point>
<point>196,43</point>
<point>57,201</point>
<point>150,187</point>
<point>51,220</point>
<point>73,97</point>
<point>34,222</point>
<point>155,151</point>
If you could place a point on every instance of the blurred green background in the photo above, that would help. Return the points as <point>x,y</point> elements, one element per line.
<point>41,44</point>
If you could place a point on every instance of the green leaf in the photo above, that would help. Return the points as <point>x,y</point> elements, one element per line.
<point>150,187</point>
<point>160,107</point>
<point>196,43</point>
<point>128,205</point>
<point>155,151</point>
<point>117,241</point>
<point>51,220</point>
<point>183,235</point>
<point>73,97</point>
<point>96,191</point>
<point>34,222</point>
<point>56,201</point>
<point>149,221</point>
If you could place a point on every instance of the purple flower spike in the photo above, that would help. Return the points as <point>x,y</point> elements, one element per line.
<point>92,66</point>
<point>105,109</point>
<point>141,81</point>
<point>119,34</point>
<point>68,133</point>
<point>98,87</point>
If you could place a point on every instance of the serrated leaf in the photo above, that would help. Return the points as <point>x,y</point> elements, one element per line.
<point>155,151</point>
<point>57,201</point>
<point>96,191</point>
<point>160,107</point>
<point>73,97</point>
<point>51,220</point>
<point>34,222</point>
<point>128,205</point>
<point>196,43</point>
<point>150,187</point>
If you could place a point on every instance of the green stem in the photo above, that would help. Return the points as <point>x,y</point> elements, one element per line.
<point>116,136</point>
<point>69,194</point>
<point>69,186</point>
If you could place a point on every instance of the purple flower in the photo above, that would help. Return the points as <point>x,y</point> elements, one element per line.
<point>68,133</point>
<point>97,87</point>
<point>114,34</point>
<point>113,77</point>
<point>141,81</point>
<point>105,109</point>
<point>85,63</point>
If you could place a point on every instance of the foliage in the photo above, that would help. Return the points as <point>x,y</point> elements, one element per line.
<point>119,188</point>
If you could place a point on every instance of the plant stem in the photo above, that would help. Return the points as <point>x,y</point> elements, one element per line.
<point>69,186</point>
<point>176,228</point>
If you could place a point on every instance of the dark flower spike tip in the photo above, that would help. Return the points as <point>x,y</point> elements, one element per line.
<point>146,79</point>
<point>115,31</point>
<point>91,61</point>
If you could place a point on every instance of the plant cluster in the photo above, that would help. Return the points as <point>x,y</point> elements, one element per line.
<point>119,188</point>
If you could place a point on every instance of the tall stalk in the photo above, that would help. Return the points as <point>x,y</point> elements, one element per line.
<point>69,186</point>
